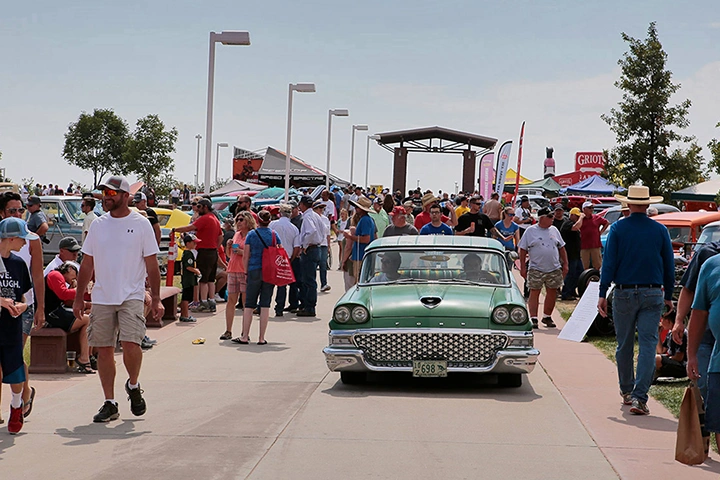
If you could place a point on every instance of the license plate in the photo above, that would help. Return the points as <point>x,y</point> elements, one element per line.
<point>430,368</point>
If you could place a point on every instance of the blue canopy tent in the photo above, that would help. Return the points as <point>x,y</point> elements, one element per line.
<point>595,185</point>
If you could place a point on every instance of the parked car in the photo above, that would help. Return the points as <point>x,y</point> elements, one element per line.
<point>685,227</point>
<point>432,305</point>
<point>573,201</point>
<point>536,202</point>
<point>65,219</point>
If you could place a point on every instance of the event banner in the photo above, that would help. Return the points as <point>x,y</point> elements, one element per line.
<point>486,174</point>
<point>503,161</point>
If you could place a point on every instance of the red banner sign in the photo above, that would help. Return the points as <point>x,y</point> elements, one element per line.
<point>590,162</point>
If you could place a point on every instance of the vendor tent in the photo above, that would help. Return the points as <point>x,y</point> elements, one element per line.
<point>702,192</point>
<point>595,185</point>
<point>546,184</point>
<point>237,186</point>
<point>302,174</point>
<point>512,175</point>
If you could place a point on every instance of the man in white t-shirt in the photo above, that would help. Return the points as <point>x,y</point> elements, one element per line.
<point>329,206</point>
<point>121,249</point>
<point>548,264</point>
<point>175,197</point>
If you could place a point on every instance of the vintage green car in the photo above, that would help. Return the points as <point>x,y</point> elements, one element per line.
<point>432,305</point>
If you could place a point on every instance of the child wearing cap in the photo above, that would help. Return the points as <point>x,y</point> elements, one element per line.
<point>188,277</point>
<point>15,282</point>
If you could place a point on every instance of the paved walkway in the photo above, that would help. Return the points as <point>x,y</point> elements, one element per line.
<point>221,410</point>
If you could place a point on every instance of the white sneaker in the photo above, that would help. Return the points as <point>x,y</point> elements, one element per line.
<point>219,299</point>
<point>325,288</point>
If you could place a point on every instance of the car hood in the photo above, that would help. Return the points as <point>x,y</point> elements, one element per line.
<point>429,300</point>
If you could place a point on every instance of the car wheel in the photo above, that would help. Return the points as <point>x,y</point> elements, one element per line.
<point>587,276</point>
<point>509,380</point>
<point>353,378</point>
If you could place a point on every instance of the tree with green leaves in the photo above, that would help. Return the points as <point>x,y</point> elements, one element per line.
<point>148,150</point>
<point>650,147</point>
<point>714,146</point>
<point>96,142</point>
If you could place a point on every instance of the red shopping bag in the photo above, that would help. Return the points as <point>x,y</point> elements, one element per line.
<point>276,268</point>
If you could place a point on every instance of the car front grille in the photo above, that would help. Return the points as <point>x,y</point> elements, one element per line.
<point>462,350</point>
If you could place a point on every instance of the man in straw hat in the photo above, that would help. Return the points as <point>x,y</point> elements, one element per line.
<point>423,218</point>
<point>639,259</point>
<point>364,232</point>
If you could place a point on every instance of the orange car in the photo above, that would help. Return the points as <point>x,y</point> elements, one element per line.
<point>685,227</point>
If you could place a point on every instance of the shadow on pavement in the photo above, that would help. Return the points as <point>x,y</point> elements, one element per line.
<point>253,347</point>
<point>710,465</point>
<point>94,432</point>
<point>381,384</point>
<point>7,441</point>
<point>647,422</point>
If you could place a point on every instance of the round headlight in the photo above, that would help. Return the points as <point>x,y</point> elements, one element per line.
<point>501,315</point>
<point>342,314</point>
<point>518,315</point>
<point>360,315</point>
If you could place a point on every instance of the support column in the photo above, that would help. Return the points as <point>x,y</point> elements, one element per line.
<point>468,179</point>
<point>400,169</point>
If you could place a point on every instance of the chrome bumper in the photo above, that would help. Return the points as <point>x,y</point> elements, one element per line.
<point>351,358</point>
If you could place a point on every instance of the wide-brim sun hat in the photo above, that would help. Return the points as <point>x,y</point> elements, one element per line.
<point>639,195</point>
<point>428,198</point>
<point>363,203</point>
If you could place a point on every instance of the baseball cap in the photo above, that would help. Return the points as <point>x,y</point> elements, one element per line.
<point>558,206</point>
<point>378,200</point>
<point>12,227</point>
<point>70,243</point>
<point>205,203</point>
<point>116,182</point>
<point>33,200</point>
<point>189,237</point>
<point>524,198</point>
<point>293,203</point>
<point>139,197</point>
<point>398,211</point>
<point>544,212</point>
<point>587,205</point>
<point>306,200</point>
<point>575,211</point>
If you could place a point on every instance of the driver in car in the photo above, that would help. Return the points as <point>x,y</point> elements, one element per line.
<point>472,266</point>
<point>389,264</point>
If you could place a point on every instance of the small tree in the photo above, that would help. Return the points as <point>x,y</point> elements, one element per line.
<point>646,126</point>
<point>147,152</point>
<point>96,143</point>
<point>714,146</point>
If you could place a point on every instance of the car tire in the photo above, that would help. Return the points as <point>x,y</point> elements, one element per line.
<point>587,276</point>
<point>509,380</point>
<point>353,378</point>
<point>604,326</point>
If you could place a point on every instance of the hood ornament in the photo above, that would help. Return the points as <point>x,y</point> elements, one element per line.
<point>430,302</point>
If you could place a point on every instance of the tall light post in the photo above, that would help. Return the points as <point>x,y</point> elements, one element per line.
<point>367,155</point>
<point>198,137</point>
<point>352,149</point>
<point>338,112</point>
<point>294,87</point>
<point>217,157</point>
<point>226,38</point>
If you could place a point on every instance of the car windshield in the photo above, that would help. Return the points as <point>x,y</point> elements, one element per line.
<point>269,193</point>
<point>679,234</point>
<point>612,215</point>
<point>482,267</point>
<point>163,218</point>
<point>711,233</point>
<point>73,207</point>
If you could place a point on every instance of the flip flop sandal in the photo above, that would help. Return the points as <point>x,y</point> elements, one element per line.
<point>226,336</point>
<point>262,343</point>
<point>240,341</point>
<point>29,404</point>
<point>84,368</point>
<point>198,341</point>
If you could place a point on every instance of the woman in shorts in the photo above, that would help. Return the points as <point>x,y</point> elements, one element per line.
<point>236,275</point>
<point>59,293</point>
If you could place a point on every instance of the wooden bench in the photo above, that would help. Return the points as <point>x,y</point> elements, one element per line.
<point>168,296</point>
<point>48,347</point>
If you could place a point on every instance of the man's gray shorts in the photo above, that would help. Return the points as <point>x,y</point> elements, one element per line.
<point>107,320</point>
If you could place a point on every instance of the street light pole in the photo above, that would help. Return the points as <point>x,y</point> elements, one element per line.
<point>339,112</point>
<point>367,155</point>
<point>226,38</point>
<point>197,163</point>
<point>352,149</point>
<point>293,87</point>
<point>217,158</point>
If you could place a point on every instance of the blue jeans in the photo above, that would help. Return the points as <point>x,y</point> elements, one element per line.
<point>323,265</point>
<point>309,262</point>
<point>294,300</point>
<point>707,342</point>
<point>636,309</point>
<point>575,268</point>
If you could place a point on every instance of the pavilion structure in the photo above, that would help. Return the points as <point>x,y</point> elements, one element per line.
<point>435,140</point>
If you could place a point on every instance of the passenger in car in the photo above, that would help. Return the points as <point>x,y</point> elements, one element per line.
<point>472,270</point>
<point>389,264</point>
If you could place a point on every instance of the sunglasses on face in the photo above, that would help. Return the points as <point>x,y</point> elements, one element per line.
<point>13,211</point>
<point>239,220</point>
<point>194,204</point>
<point>510,214</point>
<point>110,193</point>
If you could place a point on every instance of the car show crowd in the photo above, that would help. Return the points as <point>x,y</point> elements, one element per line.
<point>106,297</point>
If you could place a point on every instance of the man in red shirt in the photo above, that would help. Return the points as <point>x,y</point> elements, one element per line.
<point>591,227</point>
<point>423,218</point>
<point>208,231</point>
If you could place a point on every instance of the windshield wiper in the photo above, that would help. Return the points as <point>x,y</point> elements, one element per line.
<point>405,280</point>
<point>463,280</point>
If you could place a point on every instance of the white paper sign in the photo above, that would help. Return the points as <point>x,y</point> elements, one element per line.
<point>583,315</point>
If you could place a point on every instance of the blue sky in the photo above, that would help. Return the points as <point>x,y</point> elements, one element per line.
<point>477,66</point>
